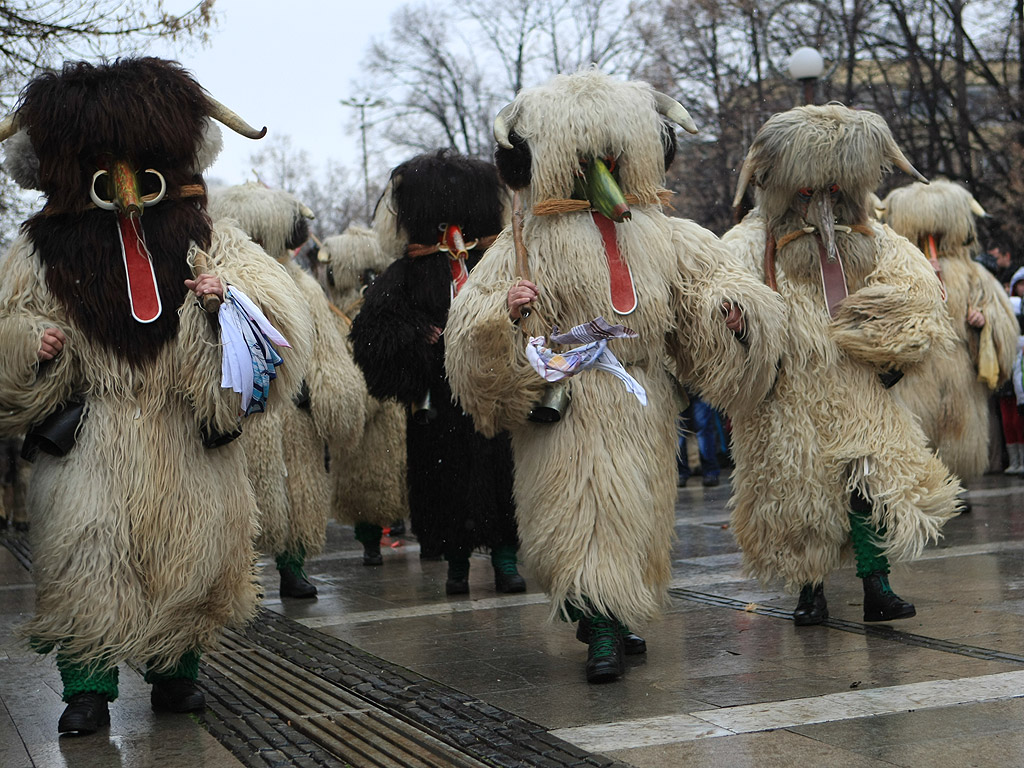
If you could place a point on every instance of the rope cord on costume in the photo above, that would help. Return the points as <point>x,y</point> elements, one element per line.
<point>185,191</point>
<point>785,240</point>
<point>556,205</point>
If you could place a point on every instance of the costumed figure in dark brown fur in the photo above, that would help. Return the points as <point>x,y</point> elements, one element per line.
<point>143,517</point>
<point>437,215</point>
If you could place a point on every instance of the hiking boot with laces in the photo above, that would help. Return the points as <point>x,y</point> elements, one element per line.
<point>881,603</point>
<point>605,661</point>
<point>632,644</point>
<point>811,608</point>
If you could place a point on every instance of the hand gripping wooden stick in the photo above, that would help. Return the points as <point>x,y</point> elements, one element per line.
<point>522,268</point>
<point>200,264</point>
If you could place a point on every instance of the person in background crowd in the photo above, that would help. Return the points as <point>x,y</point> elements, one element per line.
<point>701,418</point>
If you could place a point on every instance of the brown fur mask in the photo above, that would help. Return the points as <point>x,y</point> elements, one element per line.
<point>146,111</point>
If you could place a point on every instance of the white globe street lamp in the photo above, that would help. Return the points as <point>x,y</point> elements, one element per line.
<point>806,65</point>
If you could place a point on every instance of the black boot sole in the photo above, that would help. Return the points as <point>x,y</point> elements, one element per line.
<point>879,616</point>
<point>84,714</point>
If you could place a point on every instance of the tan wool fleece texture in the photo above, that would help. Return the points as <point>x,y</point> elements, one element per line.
<point>370,487</point>
<point>595,492</point>
<point>142,538</point>
<point>944,392</point>
<point>284,446</point>
<point>829,426</point>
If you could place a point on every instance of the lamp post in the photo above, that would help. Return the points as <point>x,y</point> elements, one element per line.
<point>806,65</point>
<point>362,105</point>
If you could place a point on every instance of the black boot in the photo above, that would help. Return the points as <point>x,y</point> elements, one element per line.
<point>632,645</point>
<point>296,585</point>
<point>605,661</point>
<point>881,603</point>
<point>180,694</point>
<point>458,576</point>
<point>811,608</point>
<point>506,574</point>
<point>85,713</point>
<point>371,553</point>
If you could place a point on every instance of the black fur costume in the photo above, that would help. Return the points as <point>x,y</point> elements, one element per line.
<point>460,483</point>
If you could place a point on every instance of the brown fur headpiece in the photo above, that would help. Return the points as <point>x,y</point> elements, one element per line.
<point>152,114</point>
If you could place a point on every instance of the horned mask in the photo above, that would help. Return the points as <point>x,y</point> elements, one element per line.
<point>939,218</point>
<point>817,165</point>
<point>589,137</point>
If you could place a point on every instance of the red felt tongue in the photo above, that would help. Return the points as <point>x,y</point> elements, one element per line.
<point>460,274</point>
<point>142,289</point>
<point>622,290</point>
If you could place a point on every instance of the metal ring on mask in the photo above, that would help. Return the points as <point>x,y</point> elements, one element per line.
<point>106,205</point>
<point>159,195</point>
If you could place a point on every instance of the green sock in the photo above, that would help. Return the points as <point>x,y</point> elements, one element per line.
<point>79,678</point>
<point>187,668</point>
<point>503,558</point>
<point>870,557</point>
<point>292,561</point>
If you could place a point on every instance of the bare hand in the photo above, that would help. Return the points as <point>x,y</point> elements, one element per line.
<point>204,285</point>
<point>975,318</point>
<point>733,317</point>
<point>519,295</point>
<point>52,343</point>
<point>433,334</point>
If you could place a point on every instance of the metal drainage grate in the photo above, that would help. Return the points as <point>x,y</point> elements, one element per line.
<point>342,724</point>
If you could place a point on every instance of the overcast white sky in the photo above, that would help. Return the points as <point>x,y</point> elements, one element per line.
<point>286,65</point>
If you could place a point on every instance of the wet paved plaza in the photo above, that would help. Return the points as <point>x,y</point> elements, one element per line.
<point>482,679</point>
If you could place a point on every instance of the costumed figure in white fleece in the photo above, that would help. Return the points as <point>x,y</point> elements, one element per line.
<point>950,391</point>
<point>438,213</point>
<point>284,447</point>
<point>830,457</point>
<point>369,489</point>
<point>642,292</point>
<point>142,514</point>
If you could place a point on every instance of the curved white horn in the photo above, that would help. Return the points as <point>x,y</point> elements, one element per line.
<point>901,162</point>
<point>744,180</point>
<point>976,208</point>
<point>306,211</point>
<point>106,205</point>
<point>675,112</point>
<point>163,188</point>
<point>222,114</point>
<point>9,126</point>
<point>502,127</point>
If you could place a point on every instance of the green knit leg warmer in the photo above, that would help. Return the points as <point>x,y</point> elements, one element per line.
<point>187,668</point>
<point>864,537</point>
<point>80,678</point>
<point>503,558</point>
<point>292,562</point>
<point>368,533</point>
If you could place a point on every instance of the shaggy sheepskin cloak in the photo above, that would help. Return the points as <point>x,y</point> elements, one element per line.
<point>284,447</point>
<point>830,426</point>
<point>371,486</point>
<point>596,491</point>
<point>944,391</point>
<point>142,537</point>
